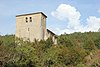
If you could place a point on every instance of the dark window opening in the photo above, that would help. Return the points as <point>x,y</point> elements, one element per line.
<point>28,29</point>
<point>26,19</point>
<point>30,19</point>
<point>28,39</point>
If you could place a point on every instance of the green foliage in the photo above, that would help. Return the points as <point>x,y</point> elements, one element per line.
<point>81,65</point>
<point>65,40</point>
<point>8,40</point>
<point>97,42</point>
<point>72,50</point>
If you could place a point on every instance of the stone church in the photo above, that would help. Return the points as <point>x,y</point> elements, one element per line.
<point>33,26</point>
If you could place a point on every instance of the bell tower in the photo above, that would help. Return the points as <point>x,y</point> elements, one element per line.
<point>31,26</point>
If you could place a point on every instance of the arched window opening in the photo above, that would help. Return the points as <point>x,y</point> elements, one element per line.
<point>30,19</point>
<point>26,20</point>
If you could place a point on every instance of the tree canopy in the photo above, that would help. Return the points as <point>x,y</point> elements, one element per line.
<point>75,50</point>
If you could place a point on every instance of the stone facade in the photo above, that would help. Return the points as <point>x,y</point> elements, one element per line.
<point>33,26</point>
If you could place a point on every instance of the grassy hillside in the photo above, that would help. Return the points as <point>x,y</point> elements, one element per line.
<point>72,50</point>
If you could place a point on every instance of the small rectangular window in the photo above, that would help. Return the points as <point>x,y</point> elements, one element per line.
<point>28,29</point>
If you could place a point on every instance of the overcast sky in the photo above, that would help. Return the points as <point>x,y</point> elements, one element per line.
<point>63,15</point>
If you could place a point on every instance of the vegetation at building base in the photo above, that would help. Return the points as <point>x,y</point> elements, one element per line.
<point>72,50</point>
